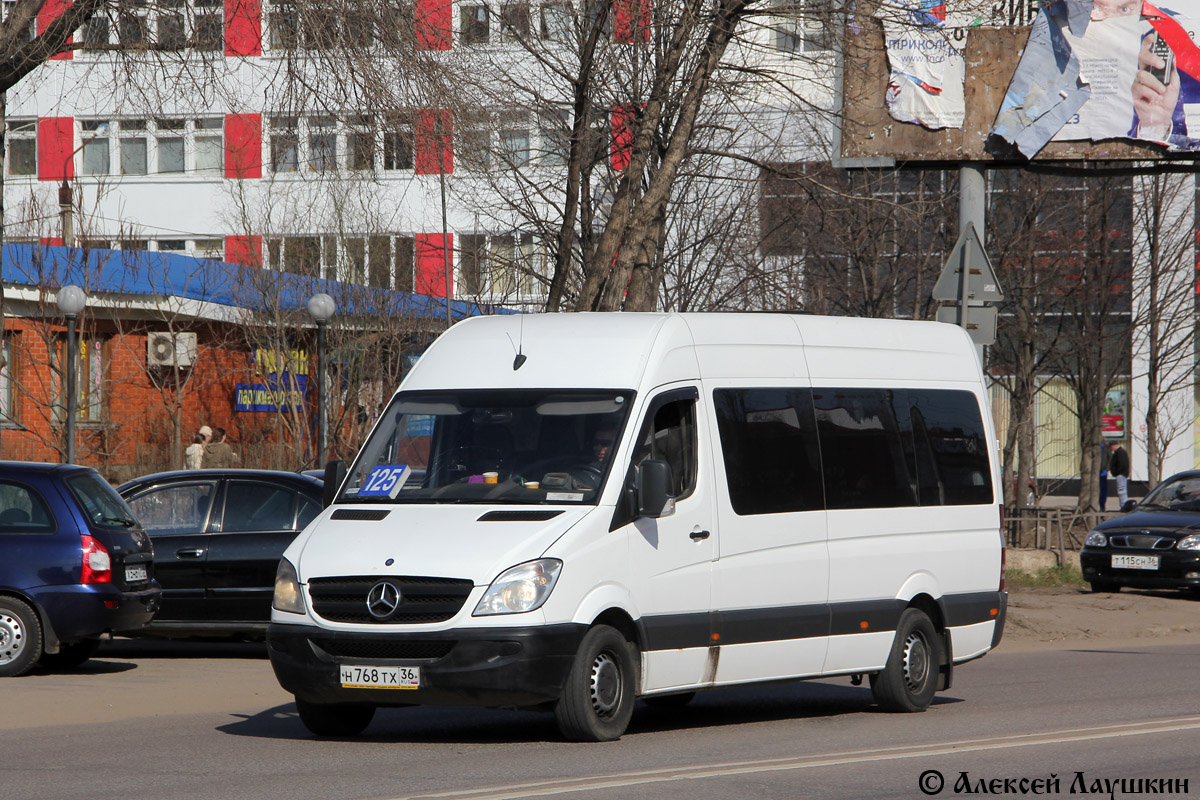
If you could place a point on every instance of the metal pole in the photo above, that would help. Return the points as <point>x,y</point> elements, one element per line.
<point>322,407</point>
<point>72,395</point>
<point>972,210</point>
<point>445,245</point>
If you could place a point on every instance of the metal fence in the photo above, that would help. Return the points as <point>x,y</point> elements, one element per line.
<point>1050,528</point>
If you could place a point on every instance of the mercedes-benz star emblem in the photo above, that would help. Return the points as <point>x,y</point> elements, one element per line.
<point>383,600</point>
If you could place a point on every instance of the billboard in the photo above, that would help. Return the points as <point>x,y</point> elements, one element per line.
<point>931,80</point>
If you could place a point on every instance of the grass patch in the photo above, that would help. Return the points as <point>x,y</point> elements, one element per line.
<point>1045,577</point>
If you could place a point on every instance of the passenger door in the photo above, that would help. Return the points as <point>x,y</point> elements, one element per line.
<point>772,580</point>
<point>177,517</point>
<point>258,521</point>
<point>670,558</point>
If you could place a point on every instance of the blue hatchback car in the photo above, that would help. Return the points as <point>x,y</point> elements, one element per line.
<point>74,565</point>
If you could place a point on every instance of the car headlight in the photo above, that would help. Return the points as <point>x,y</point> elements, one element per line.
<point>521,588</point>
<point>288,596</point>
<point>1191,542</point>
<point>1095,539</point>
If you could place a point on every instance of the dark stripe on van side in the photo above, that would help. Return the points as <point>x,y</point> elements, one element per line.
<point>864,616</point>
<point>750,625</point>
<point>676,631</point>
<point>970,608</point>
<point>772,624</point>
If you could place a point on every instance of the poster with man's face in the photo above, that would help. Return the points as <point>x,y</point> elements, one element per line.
<point>1107,69</point>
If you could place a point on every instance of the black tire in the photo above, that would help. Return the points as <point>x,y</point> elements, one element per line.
<point>70,655</point>
<point>669,702</point>
<point>597,698</point>
<point>334,719</point>
<point>909,680</point>
<point>20,637</point>
<point>1105,586</point>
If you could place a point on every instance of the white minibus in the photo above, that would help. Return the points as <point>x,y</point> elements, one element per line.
<point>573,511</point>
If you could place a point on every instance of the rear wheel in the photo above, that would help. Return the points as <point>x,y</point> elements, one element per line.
<point>20,637</point>
<point>597,698</point>
<point>909,680</point>
<point>70,655</point>
<point>1105,586</point>
<point>334,719</point>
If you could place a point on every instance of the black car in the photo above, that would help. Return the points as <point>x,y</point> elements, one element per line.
<point>74,566</point>
<point>1154,546</point>
<point>218,536</point>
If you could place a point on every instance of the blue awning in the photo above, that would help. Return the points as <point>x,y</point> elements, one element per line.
<point>154,274</point>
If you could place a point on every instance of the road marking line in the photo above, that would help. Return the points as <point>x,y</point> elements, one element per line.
<point>694,772</point>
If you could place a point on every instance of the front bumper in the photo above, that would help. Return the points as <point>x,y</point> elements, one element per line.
<point>495,667</point>
<point>1174,568</point>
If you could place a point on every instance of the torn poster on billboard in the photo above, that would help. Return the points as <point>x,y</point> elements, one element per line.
<point>1106,69</point>
<point>925,42</point>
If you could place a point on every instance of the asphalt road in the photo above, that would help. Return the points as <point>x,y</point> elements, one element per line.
<point>181,720</point>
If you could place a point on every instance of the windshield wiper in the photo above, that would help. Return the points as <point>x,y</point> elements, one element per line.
<point>128,523</point>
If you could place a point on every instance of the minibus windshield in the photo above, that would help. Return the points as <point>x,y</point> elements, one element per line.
<point>490,446</point>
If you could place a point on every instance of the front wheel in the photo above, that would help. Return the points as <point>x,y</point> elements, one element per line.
<point>20,637</point>
<point>334,719</point>
<point>597,698</point>
<point>909,680</point>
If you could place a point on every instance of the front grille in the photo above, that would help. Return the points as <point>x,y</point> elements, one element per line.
<point>1142,541</point>
<point>422,600</point>
<point>385,649</point>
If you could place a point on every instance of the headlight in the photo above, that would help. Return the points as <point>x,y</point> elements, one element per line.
<point>1095,539</point>
<point>288,596</point>
<point>520,588</point>
<point>1191,542</point>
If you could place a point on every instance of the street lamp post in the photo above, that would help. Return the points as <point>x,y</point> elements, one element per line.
<point>71,301</point>
<point>321,308</point>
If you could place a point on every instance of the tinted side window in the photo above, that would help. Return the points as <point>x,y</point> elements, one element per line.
<point>863,448</point>
<point>180,508</point>
<point>258,507</point>
<point>769,443</point>
<point>22,510</point>
<point>671,437</point>
<point>947,425</point>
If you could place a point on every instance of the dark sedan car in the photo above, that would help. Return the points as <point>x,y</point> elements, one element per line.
<point>218,536</point>
<point>74,566</point>
<point>1154,546</point>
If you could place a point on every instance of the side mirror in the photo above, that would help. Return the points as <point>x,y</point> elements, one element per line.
<point>653,484</point>
<point>1129,505</point>
<point>335,473</point>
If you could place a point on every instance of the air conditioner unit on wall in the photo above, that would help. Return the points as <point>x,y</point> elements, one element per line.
<point>166,349</point>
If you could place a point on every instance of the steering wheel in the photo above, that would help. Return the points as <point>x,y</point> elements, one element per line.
<point>587,476</point>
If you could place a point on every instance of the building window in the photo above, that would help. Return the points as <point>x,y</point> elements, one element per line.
<point>95,146</point>
<point>170,145</point>
<point>819,21</point>
<point>502,267</point>
<point>133,146</point>
<point>515,21</point>
<point>322,145</point>
<point>89,379</point>
<point>285,145</point>
<point>210,146</point>
<point>8,389</point>
<point>30,32</point>
<point>133,24</point>
<point>22,146</point>
<point>557,22</point>
<point>786,29</point>
<point>554,131</point>
<point>513,140</point>
<point>360,144</point>
<point>285,26</point>
<point>398,142</point>
<point>97,30</point>
<point>476,25</point>
<point>208,25</point>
